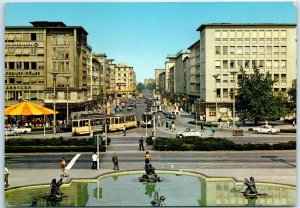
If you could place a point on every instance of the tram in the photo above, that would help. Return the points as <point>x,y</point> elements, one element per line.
<point>97,123</point>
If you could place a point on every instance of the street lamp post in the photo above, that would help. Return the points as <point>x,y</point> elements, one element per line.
<point>67,76</point>
<point>216,77</point>
<point>233,73</point>
<point>54,74</point>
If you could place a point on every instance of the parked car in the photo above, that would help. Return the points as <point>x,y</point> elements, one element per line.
<point>22,130</point>
<point>11,132</point>
<point>266,129</point>
<point>189,132</point>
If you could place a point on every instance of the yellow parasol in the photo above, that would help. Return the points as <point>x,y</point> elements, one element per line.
<point>27,108</point>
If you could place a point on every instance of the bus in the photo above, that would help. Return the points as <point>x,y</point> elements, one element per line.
<point>96,123</point>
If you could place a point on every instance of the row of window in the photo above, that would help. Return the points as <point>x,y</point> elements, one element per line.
<point>23,37</point>
<point>224,78</point>
<point>250,34</point>
<point>24,51</point>
<point>27,95</point>
<point>24,65</point>
<point>226,93</point>
<point>247,64</point>
<point>253,50</point>
<point>60,52</point>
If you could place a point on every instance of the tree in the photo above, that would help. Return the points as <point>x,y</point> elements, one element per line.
<point>150,86</point>
<point>292,93</point>
<point>255,99</point>
<point>140,87</point>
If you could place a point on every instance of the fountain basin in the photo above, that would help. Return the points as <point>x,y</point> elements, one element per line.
<point>184,189</point>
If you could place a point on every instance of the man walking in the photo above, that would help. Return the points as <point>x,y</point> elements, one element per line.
<point>6,173</point>
<point>141,144</point>
<point>94,158</point>
<point>115,161</point>
<point>124,130</point>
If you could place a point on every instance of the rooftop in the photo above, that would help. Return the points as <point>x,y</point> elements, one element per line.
<point>246,25</point>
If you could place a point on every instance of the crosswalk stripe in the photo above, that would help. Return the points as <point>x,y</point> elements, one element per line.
<point>72,162</point>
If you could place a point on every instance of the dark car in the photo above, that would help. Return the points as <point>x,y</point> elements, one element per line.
<point>171,115</point>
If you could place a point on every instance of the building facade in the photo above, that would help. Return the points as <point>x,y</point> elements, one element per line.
<point>225,48</point>
<point>125,80</point>
<point>157,73</point>
<point>35,54</point>
<point>170,62</point>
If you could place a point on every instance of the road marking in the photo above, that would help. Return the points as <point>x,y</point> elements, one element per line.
<point>72,162</point>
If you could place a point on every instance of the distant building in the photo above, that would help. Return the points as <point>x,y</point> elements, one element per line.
<point>157,73</point>
<point>125,80</point>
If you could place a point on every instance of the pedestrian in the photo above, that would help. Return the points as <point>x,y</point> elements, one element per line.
<point>147,158</point>
<point>294,123</point>
<point>95,160</point>
<point>63,168</point>
<point>141,144</point>
<point>124,130</point>
<point>202,127</point>
<point>213,131</point>
<point>173,127</point>
<point>6,173</point>
<point>228,123</point>
<point>115,161</point>
<point>138,123</point>
<point>162,122</point>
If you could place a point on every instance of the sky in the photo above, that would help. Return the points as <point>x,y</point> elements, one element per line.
<point>143,34</point>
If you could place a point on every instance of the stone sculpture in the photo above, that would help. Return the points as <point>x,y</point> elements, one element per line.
<point>150,175</point>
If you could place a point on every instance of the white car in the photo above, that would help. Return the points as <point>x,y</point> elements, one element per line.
<point>11,132</point>
<point>266,129</point>
<point>189,132</point>
<point>21,130</point>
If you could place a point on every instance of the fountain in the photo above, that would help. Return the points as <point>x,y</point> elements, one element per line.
<point>125,189</point>
<point>251,191</point>
<point>54,197</point>
<point>158,201</point>
<point>150,175</point>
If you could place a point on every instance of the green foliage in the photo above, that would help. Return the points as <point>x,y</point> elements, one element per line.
<point>41,128</point>
<point>204,124</point>
<point>149,140</point>
<point>24,149</point>
<point>292,93</point>
<point>53,145</point>
<point>288,130</point>
<point>150,86</point>
<point>215,144</point>
<point>140,87</point>
<point>255,99</point>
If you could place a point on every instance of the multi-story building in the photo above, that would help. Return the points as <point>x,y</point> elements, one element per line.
<point>157,73</point>
<point>170,62</point>
<point>193,77</point>
<point>180,72</point>
<point>161,81</point>
<point>225,48</point>
<point>112,83</point>
<point>34,53</point>
<point>125,80</point>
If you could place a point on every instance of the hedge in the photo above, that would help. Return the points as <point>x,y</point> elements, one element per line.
<point>288,130</point>
<point>214,144</point>
<point>59,141</point>
<point>27,149</point>
<point>204,124</point>
<point>53,145</point>
<point>41,128</point>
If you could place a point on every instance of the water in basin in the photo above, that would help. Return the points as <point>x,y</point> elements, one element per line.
<point>183,190</point>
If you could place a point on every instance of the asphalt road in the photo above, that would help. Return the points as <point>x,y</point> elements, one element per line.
<point>161,160</point>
